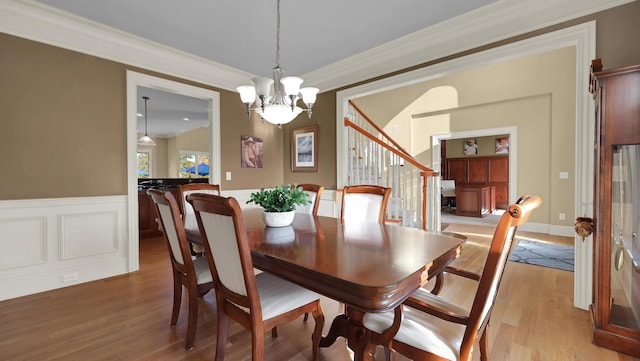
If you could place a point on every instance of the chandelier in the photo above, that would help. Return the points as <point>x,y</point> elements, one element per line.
<point>275,99</point>
<point>146,139</point>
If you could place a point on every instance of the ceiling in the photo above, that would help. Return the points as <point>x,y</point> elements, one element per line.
<point>170,114</point>
<point>329,43</point>
<point>242,33</point>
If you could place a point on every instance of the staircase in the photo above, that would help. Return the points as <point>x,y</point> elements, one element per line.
<point>375,158</point>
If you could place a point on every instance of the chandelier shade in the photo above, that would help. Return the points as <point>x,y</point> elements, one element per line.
<point>275,99</point>
<point>146,139</point>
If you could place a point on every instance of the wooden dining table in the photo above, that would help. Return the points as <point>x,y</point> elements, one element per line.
<point>368,267</point>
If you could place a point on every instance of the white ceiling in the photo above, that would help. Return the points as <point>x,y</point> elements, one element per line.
<point>166,113</point>
<point>242,33</point>
<point>330,43</point>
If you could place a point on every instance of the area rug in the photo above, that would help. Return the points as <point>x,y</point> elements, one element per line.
<point>543,254</point>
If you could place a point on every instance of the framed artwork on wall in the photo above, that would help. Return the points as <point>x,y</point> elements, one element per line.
<point>470,147</point>
<point>251,152</point>
<point>502,145</point>
<point>304,149</point>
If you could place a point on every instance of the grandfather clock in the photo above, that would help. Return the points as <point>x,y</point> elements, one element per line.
<point>616,300</point>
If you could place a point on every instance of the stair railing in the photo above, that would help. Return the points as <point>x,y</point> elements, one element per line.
<point>375,158</point>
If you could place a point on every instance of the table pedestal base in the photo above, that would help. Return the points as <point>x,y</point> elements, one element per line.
<point>350,326</point>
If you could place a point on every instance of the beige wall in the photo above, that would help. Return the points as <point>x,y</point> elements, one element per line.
<point>486,146</point>
<point>524,93</point>
<point>62,112</point>
<point>323,116</point>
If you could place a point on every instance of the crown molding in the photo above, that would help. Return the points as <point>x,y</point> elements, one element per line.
<point>42,23</point>
<point>500,20</point>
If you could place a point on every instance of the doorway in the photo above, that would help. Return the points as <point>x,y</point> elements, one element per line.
<point>582,37</point>
<point>134,81</point>
<point>511,132</point>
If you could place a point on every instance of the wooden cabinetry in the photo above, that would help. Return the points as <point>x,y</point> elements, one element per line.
<point>476,201</point>
<point>482,172</point>
<point>616,305</point>
<point>147,214</point>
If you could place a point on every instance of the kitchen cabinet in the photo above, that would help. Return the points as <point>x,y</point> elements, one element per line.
<point>147,214</point>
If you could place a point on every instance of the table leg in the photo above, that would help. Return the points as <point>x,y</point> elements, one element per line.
<point>349,326</point>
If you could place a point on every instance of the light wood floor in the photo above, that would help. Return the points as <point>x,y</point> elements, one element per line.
<point>127,317</point>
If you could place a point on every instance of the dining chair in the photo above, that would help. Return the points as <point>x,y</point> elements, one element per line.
<point>439,277</point>
<point>448,194</point>
<point>364,203</point>
<point>192,274</point>
<point>188,215</point>
<point>258,302</point>
<point>314,192</point>
<point>429,327</point>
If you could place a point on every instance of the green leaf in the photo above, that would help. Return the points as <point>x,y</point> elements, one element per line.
<point>283,198</point>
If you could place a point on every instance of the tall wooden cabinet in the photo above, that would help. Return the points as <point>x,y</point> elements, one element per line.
<point>616,290</point>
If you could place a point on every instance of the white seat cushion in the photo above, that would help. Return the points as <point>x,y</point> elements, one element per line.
<point>203,273</point>
<point>278,296</point>
<point>422,331</point>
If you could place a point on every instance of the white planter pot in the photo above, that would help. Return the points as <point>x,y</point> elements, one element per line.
<point>279,235</point>
<point>278,219</point>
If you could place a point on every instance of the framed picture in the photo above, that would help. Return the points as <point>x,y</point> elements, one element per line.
<point>251,156</point>
<point>502,145</point>
<point>470,147</point>
<point>304,149</point>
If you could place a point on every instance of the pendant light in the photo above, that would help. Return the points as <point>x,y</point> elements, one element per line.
<point>146,139</point>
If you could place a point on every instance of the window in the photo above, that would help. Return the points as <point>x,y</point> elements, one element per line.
<point>190,168</point>
<point>144,164</point>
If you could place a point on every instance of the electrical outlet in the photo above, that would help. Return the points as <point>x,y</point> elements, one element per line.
<point>228,176</point>
<point>561,216</point>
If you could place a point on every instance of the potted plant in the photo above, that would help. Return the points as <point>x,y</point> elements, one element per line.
<point>279,204</point>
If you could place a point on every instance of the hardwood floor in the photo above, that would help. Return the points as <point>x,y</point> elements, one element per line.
<point>127,317</point>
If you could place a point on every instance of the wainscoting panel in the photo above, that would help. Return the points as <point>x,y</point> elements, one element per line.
<point>23,242</point>
<point>88,234</point>
<point>52,243</point>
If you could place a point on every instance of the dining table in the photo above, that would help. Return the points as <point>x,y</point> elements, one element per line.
<point>368,267</point>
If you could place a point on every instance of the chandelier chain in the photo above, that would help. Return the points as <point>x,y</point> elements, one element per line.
<point>145,114</point>
<point>278,33</point>
<point>274,99</point>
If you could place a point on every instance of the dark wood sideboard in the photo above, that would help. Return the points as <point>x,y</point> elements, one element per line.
<point>491,171</point>
<point>475,201</point>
